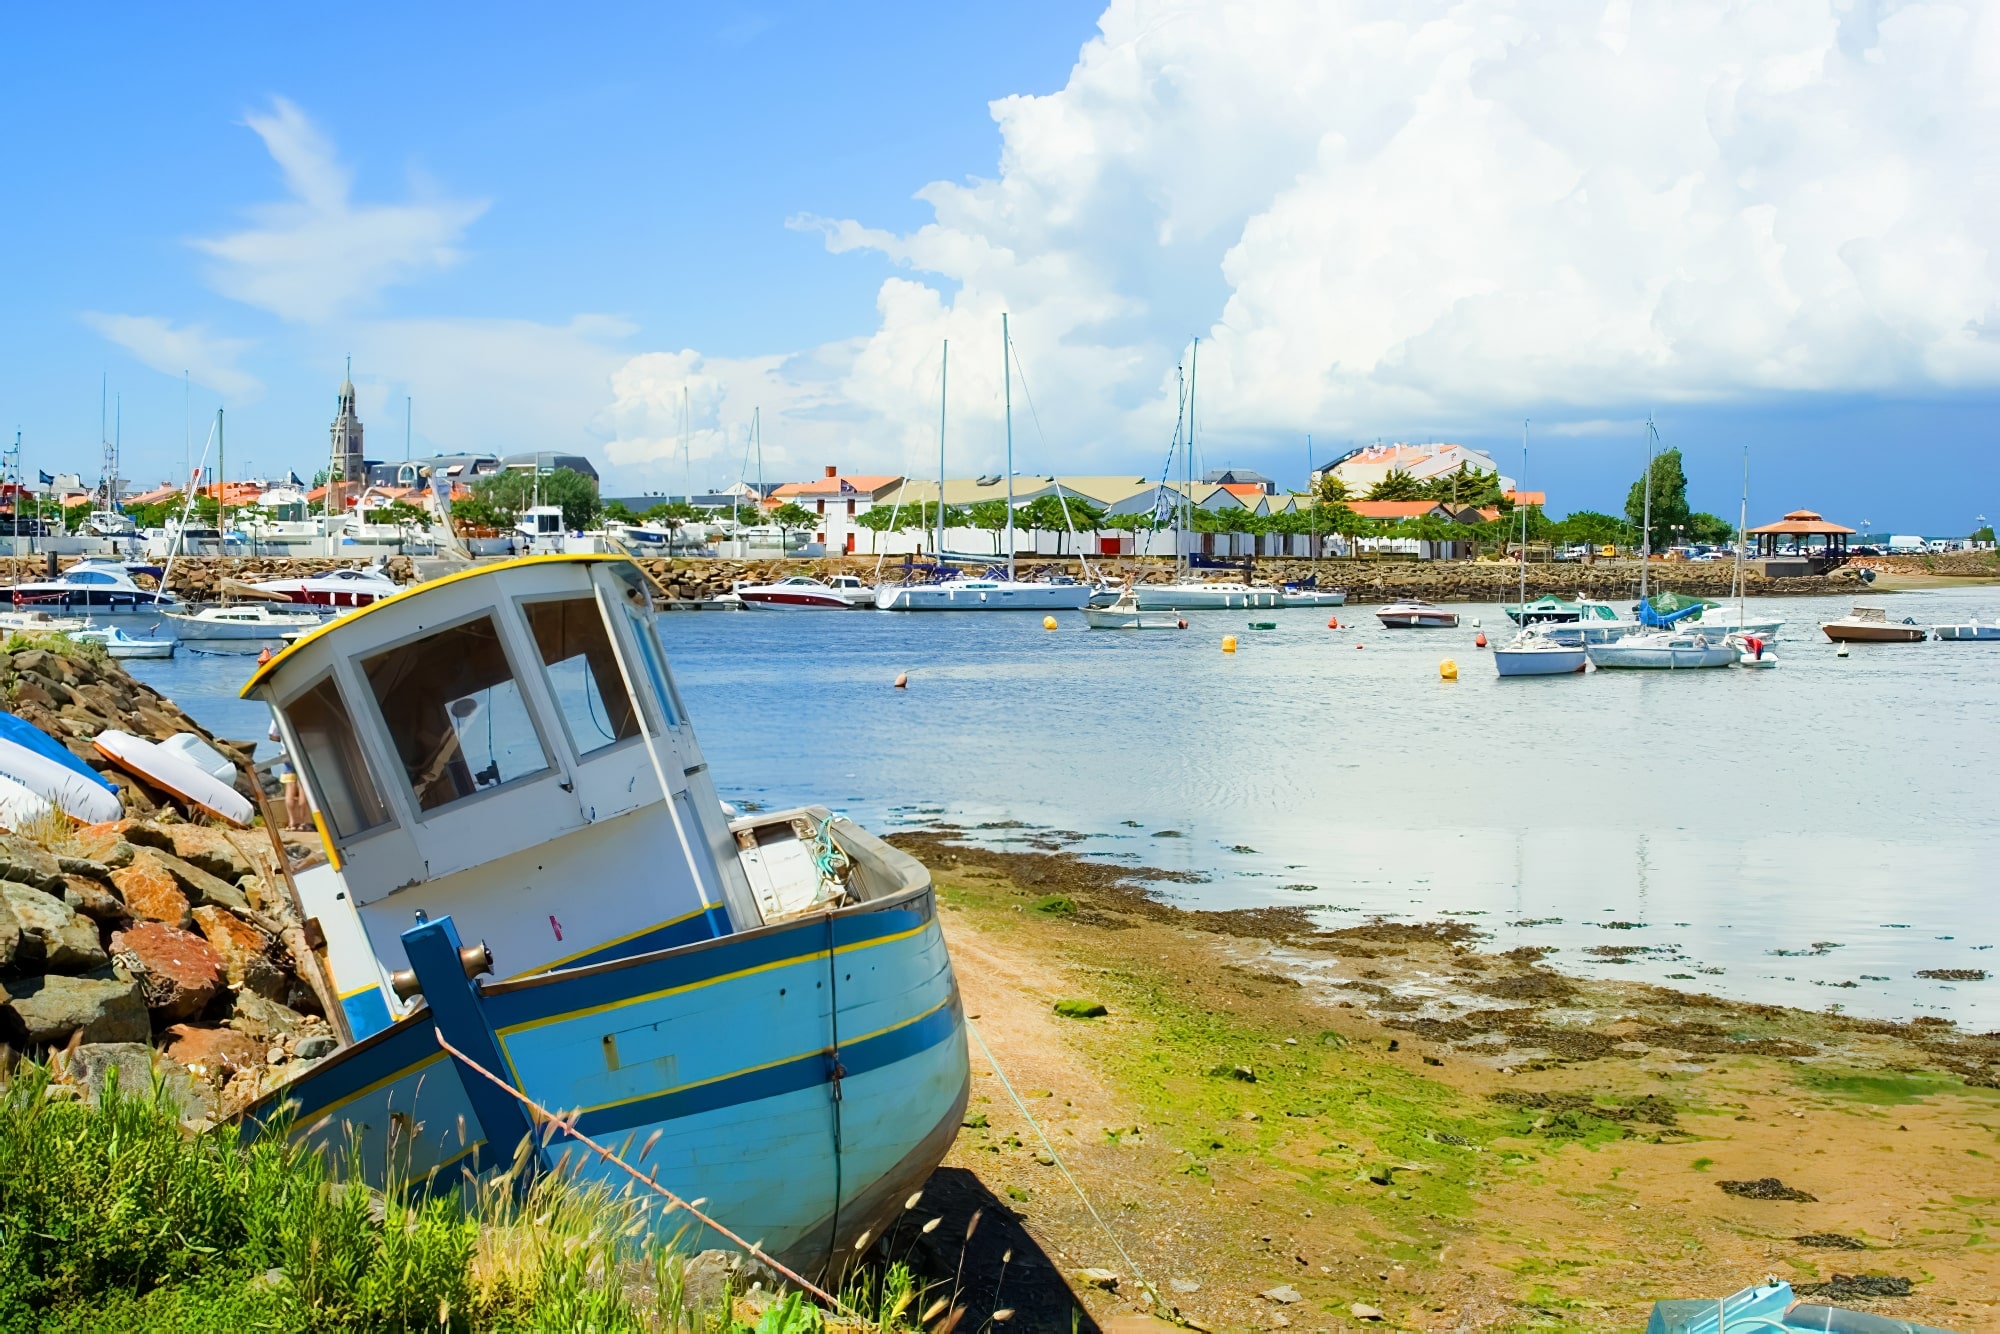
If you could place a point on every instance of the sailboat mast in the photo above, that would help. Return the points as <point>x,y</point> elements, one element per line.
<point>1646,537</point>
<point>687,448</point>
<point>1007,377</point>
<point>1742,518</point>
<point>1187,462</point>
<point>944,392</point>
<point>1521,493</point>
<point>222,478</point>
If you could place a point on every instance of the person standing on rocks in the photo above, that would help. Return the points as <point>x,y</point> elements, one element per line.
<point>298,811</point>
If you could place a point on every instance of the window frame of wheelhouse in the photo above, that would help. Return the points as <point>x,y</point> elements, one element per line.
<point>501,858</point>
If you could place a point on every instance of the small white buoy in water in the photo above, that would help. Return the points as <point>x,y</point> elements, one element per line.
<point>1840,652</point>
<point>1475,622</point>
<point>902,680</point>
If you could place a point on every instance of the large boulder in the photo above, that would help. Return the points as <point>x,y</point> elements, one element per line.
<point>211,849</point>
<point>10,935</point>
<point>105,1008</point>
<point>199,885</point>
<point>105,843</point>
<point>179,972</point>
<point>94,1066</point>
<point>22,861</point>
<point>150,890</point>
<point>53,938</point>
<point>213,1051</point>
<point>247,953</point>
<point>258,1017</point>
<point>90,897</point>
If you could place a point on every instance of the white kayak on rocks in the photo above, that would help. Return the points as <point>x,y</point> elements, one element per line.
<point>173,772</point>
<point>35,761</point>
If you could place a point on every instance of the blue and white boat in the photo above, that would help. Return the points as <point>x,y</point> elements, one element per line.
<point>507,783</point>
<point>97,588</point>
<point>1535,654</point>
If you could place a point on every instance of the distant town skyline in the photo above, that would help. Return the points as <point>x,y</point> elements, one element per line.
<point>1425,225</point>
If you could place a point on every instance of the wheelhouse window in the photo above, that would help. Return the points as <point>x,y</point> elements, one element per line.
<point>456,713</point>
<point>335,772</point>
<point>582,672</point>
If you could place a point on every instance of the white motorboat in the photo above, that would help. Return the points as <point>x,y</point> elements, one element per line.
<point>254,621</point>
<point>1415,614</point>
<point>1127,614</point>
<point>1663,650</point>
<point>96,587</point>
<point>1871,625</point>
<point>348,587</point>
<point>1207,595</point>
<point>983,595</point>
<point>802,592</point>
<point>40,623</point>
<point>118,644</point>
<point>1974,628</point>
<point>1595,623</point>
<point>1534,654</point>
<point>1752,651</point>
<point>1289,596</point>
<point>1729,621</point>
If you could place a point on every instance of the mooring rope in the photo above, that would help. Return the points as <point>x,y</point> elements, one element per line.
<point>567,1124</point>
<point>1076,1185</point>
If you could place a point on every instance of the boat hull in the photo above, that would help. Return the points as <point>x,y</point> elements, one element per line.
<point>1417,620</point>
<point>802,1077</point>
<point>193,628</point>
<point>1659,658</point>
<point>1887,633</point>
<point>1196,597</point>
<point>1539,662</point>
<point>794,601</point>
<point>1310,598</point>
<point>1974,631</point>
<point>1116,619</point>
<point>971,597</point>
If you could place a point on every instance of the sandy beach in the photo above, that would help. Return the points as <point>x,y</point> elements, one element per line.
<point>1287,1127</point>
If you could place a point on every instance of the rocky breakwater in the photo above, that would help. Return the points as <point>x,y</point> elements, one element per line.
<point>157,947</point>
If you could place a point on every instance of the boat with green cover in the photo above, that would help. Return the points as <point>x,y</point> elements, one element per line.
<point>1547,609</point>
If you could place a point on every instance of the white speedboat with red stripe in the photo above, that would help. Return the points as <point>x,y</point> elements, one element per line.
<point>348,587</point>
<point>802,592</point>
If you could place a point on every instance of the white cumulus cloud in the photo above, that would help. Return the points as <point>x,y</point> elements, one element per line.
<point>1376,213</point>
<point>208,359</point>
<point>319,253</point>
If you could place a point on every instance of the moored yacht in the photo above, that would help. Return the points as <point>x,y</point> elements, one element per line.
<point>984,595</point>
<point>252,621</point>
<point>345,587</point>
<point>96,587</point>
<point>802,592</point>
<point>1208,595</point>
<point>1415,614</point>
<point>1871,625</point>
<point>1663,650</point>
<point>529,887</point>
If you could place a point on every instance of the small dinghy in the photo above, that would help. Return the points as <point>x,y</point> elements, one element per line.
<point>118,644</point>
<point>1752,651</point>
<point>1126,614</point>
<point>171,771</point>
<point>38,763</point>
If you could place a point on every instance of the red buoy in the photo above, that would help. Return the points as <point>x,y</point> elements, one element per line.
<point>1333,622</point>
<point>1479,640</point>
<point>1181,624</point>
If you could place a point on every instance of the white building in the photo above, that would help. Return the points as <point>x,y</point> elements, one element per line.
<point>1362,468</point>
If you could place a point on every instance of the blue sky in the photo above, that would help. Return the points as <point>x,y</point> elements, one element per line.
<point>1384,221</point>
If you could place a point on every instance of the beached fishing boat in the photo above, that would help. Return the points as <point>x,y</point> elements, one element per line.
<point>1415,614</point>
<point>1662,650</point>
<point>509,784</point>
<point>1871,625</point>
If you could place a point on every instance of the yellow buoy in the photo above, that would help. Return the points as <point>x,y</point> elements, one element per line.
<point>1048,622</point>
<point>1229,643</point>
<point>1448,670</point>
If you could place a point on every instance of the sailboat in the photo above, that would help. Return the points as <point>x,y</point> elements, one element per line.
<point>986,594</point>
<point>1531,653</point>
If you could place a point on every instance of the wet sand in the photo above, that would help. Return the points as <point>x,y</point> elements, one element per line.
<point>1279,1123</point>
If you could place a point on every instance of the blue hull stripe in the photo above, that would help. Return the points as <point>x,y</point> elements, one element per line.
<point>804,1072</point>
<point>389,1056</point>
<point>542,1000</point>
<point>670,935</point>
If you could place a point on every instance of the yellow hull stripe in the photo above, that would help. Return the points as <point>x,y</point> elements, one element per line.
<point>380,1084</point>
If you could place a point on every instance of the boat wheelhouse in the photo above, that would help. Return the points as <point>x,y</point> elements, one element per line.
<point>507,781</point>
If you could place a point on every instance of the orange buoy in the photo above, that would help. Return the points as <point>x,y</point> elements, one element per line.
<point>263,656</point>
<point>1479,640</point>
<point>902,680</point>
<point>1181,624</point>
<point>1357,646</point>
<point>1333,622</point>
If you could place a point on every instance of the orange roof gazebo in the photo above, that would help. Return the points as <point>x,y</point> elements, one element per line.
<point>1804,526</point>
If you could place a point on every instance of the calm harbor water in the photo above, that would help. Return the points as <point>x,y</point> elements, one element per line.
<point>1814,836</point>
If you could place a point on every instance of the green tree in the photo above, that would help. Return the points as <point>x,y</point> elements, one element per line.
<point>990,515</point>
<point>1330,490</point>
<point>617,511</point>
<point>1983,535</point>
<point>1465,486</point>
<point>1059,515</point>
<point>877,520</point>
<point>1397,485</point>
<point>512,492</point>
<point>1709,529</point>
<point>400,511</point>
<point>475,511</point>
<point>1599,530</point>
<point>1670,500</point>
<point>792,517</point>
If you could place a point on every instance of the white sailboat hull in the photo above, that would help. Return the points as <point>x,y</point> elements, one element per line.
<point>983,595</point>
<point>1128,618</point>
<point>1657,653</point>
<point>1205,597</point>
<point>1558,661</point>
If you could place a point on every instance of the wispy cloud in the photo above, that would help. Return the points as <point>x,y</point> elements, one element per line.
<point>208,359</point>
<point>319,254</point>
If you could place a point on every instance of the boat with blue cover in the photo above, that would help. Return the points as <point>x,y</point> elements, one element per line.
<point>524,856</point>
